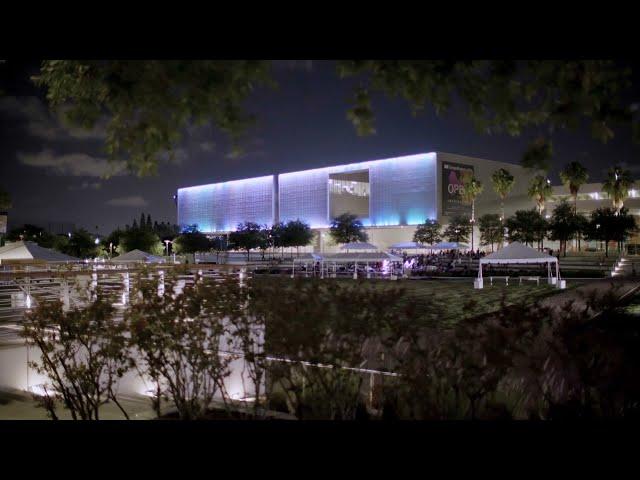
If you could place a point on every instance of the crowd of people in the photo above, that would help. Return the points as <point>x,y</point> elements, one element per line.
<point>445,261</point>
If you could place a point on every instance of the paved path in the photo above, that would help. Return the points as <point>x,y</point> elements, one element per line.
<point>623,286</point>
<point>19,405</point>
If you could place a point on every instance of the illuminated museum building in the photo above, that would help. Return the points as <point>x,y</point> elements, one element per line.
<point>390,197</point>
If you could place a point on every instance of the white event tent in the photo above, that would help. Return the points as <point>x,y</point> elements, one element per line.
<point>517,253</point>
<point>137,256</point>
<point>449,246</point>
<point>31,252</point>
<point>408,246</point>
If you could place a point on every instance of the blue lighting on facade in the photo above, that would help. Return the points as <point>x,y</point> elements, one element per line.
<point>219,207</point>
<point>402,192</point>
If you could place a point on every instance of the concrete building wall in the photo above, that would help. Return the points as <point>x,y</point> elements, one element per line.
<point>219,207</point>
<point>488,201</point>
<point>403,192</point>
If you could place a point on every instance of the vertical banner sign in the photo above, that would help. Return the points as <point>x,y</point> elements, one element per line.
<point>3,223</point>
<point>452,202</point>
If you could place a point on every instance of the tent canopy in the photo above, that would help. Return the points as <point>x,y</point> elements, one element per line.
<point>449,246</point>
<point>24,250</point>
<point>516,252</point>
<point>358,246</point>
<point>138,256</point>
<point>407,245</point>
<point>361,257</point>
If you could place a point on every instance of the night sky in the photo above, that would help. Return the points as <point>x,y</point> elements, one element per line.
<point>53,172</point>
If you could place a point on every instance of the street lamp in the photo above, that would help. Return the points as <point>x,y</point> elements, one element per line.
<point>167,242</point>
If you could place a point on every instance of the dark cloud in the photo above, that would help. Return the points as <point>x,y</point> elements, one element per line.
<point>131,201</point>
<point>72,164</point>
<point>41,123</point>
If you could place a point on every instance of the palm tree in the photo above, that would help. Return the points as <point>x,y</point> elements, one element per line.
<point>502,184</point>
<point>471,188</point>
<point>540,190</point>
<point>573,176</point>
<point>617,185</point>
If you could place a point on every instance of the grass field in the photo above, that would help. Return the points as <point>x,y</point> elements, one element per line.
<point>451,297</point>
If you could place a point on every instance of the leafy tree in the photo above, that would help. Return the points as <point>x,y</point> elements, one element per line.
<point>321,323</point>
<point>81,245</point>
<point>540,190</point>
<point>527,226</point>
<point>278,238</point>
<point>617,185</point>
<point>458,229</point>
<point>84,353</point>
<point>166,231</point>
<point>179,340</point>
<point>111,244</point>
<point>32,233</point>
<point>472,187</point>
<point>502,95</point>
<point>428,232</point>
<point>60,243</point>
<point>191,243</point>
<point>265,240</point>
<point>581,225</point>
<point>607,224</point>
<point>346,228</point>
<point>150,103</point>
<point>503,183</point>
<point>137,238</point>
<point>563,225</point>
<point>624,225</point>
<point>219,244</point>
<point>491,229</point>
<point>297,234</point>
<point>248,235</point>
<point>537,156</point>
<point>573,176</point>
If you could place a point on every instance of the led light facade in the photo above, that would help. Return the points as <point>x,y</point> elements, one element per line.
<point>219,207</point>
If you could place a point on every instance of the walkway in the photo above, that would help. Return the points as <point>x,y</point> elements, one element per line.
<point>622,286</point>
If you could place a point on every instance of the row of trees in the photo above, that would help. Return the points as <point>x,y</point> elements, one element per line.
<point>617,185</point>
<point>145,235</point>
<point>530,226</point>
<point>250,236</point>
<point>523,361</point>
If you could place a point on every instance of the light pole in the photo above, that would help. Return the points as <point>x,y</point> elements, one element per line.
<point>472,222</point>
<point>167,242</point>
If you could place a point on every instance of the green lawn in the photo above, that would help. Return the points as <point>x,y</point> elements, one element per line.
<point>451,297</point>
